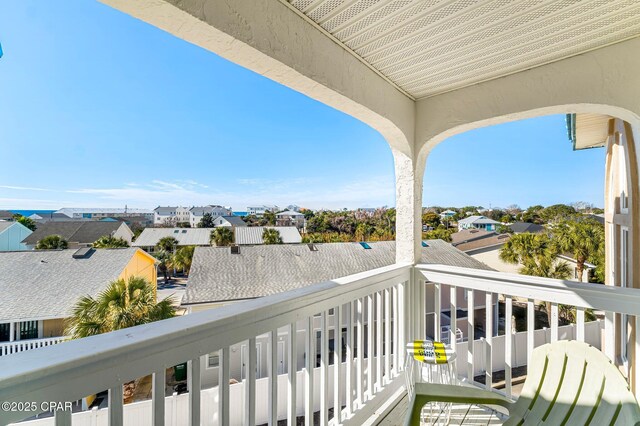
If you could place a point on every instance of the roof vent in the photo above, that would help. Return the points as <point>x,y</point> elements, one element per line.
<point>83,253</point>
<point>235,249</point>
<point>312,247</point>
<point>366,246</point>
<point>184,231</point>
<point>424,244</point>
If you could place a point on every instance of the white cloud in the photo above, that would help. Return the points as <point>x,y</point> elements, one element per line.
<point>23,188</point>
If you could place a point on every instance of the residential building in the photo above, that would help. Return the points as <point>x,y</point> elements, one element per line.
<point>477,222</point>
<point>290,218</point>
<point>229,221</point>
<point>417,74</point>
<point>293,207</point>
<point>149,237</point>
<point>41,287</point>
<point>196,213</point>
<point>80,233</point>
<point>252,235</point>
<point>101,213</point>
<point>447,214</point>
<point>260,210</point>
<point>221,276</point>
<point>11,236</point>
<point>170,216</point>
<point>6,215</point>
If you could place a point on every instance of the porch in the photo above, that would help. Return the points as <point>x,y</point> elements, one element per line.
<point>379,310</point>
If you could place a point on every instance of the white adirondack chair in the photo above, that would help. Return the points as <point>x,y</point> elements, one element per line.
<point>568,383</point>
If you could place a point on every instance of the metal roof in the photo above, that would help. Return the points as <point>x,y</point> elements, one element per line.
<point>218,275</point>
<point>253,234</point>
<point>47,283</point>
<point>478,219</point>
<point>185,236</point>
<point>83,232</point>
<point>433,46</point>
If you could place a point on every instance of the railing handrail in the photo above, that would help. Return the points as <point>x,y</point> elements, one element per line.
<point>592,296</point>
<point>101,362</point>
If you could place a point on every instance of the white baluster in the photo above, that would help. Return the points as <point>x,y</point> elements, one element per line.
<point>157,397</point>
<point>223,387</point>
<point>310,363</point>
<point>488,307</point>
<point>273,378</point>
<point>471,335</point>
<point>292,375</point>
<point>337,363</point>
<point>193,383</point>
<point>250,384</point>
<point>508,343</point>
<point>115,406</point>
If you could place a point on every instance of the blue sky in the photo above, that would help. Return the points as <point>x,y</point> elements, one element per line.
<point>99,109</point>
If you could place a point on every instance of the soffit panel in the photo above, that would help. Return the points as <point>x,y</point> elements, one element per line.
<point>428,47</point>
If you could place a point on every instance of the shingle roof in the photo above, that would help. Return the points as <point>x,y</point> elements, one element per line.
<point>253,234</point>
<point>185,236</point>
<point>234,220</point>
<point>477,219</point>
<point>493,239</point>
<point>46,284</point>
<point>217,274</point>
<point>7,215</point>
<point>289,213</point>
<point>83,232</point>
<point>520,227</point>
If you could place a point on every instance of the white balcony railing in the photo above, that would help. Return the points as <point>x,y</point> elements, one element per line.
<point>397,301</point>
<point>8,348</point>
<point>84,367</point>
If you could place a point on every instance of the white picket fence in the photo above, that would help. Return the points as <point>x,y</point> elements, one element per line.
<point>9,348</point>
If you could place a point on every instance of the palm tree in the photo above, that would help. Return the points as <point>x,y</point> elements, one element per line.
<point>183,257</point>
<point>123,304</point>
<point>583,239</point>
<point>221,236</point>
<point>165,260</point>
<point>109,241</point>
<point>167,244</point>
<point>52,242</point>
<point>271,236</point>
<point>537,255</point>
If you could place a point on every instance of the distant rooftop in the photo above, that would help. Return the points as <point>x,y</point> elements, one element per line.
<point>185,236</point>
<point>253,234</point>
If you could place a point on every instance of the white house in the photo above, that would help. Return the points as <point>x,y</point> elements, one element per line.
<point>290,218</point>
<point>229,221</point>
<point>447,214</point>
<point>196,213</point>
<point>170,215</point>
<point>260,210</point>
<point>102,213</point>
<point>477,222</point>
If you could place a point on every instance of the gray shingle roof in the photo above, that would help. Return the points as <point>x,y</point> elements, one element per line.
<point>46,284</point>
<point>520,227</point>
<point>253,234</point>
<point>6,215</point>
<point>83,232</point>
<point>218,275</point>
<point>185,236</point>
<point>234,220</point>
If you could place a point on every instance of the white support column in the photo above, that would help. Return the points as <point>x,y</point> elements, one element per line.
<point>12,331</point>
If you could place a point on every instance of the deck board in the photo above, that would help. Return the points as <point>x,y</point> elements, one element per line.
<point>461,414</point>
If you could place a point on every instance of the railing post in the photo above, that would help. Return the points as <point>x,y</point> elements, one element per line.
<point>379,342</point>
<point>360,353</point>
<point>349,359</point>
<point>470,335</point>
<point>437,309</point>
<point>324,370</point>
<point>370,346</point>
<point>531,329</point>
<point>508,343</point>
<point>337,364</point>
<point>488,340</point>
<point>273,378</point>
<point>62,417</point>
<point>292,373</point>
<point>250,384</point>
<point>453,315</point>
<point>115,406</point>
<point>310,359</point>
<point>223,387</point>
<point>157,393</point>
<point>554,322</point>
<point>193,383</point>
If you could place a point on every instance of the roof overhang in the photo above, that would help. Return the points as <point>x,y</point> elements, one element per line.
<point>587,130</point>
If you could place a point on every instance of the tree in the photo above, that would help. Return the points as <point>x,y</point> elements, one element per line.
<point>269,218</point>
<point>206,221</point>
<point>109,241</point>
<point>557,213</point>
<point>122,305</point>
<point>584,239</point>
<point>165,259</point>
<point>532,215</point>
<point>168,244</point>
<point>271,236</point>
<point>26,221</point>
<point>52,242</point>
<point>504,229</point>
<point>438,234</point>
<point>221,236</point>
<point>431,219</point>
<point>505,218</point>
<point>183,258</point>
<point>537,255</point>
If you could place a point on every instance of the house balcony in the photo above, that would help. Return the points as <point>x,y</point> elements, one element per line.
<point>17,346</point>
<point>379,311</point>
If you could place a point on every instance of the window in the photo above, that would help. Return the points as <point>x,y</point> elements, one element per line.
<point>5,330</point>
<point>213,360</point>
<point>28,330</point>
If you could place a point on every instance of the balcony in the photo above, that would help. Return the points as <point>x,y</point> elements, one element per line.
<point>8,348</point>
<point>400,302</point>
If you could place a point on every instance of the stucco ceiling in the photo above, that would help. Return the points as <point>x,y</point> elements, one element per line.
<point>427,47</point>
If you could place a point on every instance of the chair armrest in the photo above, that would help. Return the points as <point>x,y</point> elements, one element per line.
<point>429,392</point>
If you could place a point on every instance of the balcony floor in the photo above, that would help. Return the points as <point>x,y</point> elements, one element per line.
<point>461,414</point>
